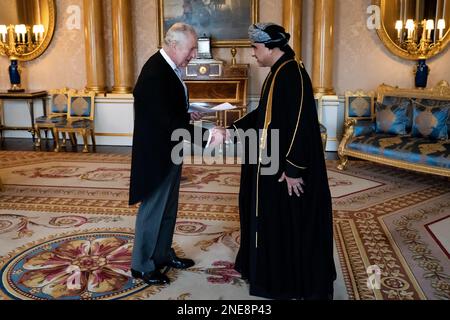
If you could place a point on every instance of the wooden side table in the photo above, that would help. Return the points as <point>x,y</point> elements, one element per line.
<point>28,97</point>
<point>231,86</point>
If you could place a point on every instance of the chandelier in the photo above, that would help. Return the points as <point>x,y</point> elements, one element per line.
<point>16,40</point>
<point>420,38</point>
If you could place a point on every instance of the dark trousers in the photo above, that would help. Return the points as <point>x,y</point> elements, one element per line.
<point>155,224</point>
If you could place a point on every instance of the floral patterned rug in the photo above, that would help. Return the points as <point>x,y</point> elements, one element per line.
<point>66,231</point>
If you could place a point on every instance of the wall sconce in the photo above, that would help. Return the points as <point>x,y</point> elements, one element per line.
<point>16,40</point>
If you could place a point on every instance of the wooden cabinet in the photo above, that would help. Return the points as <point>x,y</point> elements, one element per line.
<point>231,86</point>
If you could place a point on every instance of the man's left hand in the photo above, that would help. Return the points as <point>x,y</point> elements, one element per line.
<point>293,184</point>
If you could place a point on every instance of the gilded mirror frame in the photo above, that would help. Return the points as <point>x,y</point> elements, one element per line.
<point>394,48</point>
<point>47,38</point>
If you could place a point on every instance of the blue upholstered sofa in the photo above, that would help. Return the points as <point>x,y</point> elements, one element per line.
<point>405,128</point>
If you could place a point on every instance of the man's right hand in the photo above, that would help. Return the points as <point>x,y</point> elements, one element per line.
<point>218,136</point>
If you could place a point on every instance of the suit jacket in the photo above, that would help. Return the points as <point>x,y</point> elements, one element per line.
<point>159,109</point>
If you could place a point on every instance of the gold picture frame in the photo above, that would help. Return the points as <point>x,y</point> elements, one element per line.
<point>227,24</point>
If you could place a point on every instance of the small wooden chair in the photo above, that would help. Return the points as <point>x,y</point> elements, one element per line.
<point>80,119</point>
<point>56,113</point>
<point>323,129</point>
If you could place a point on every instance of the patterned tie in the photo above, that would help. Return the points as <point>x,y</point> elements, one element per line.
<point>178,72</point>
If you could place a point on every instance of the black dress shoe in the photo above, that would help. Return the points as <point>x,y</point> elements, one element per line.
<point>180,263</point>
<point>151,278</point>
<point>137,274</point>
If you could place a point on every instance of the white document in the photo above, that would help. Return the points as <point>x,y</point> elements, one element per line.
<point>204,108</point>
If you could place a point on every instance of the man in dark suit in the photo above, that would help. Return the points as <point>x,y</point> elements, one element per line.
<point>161,107</point>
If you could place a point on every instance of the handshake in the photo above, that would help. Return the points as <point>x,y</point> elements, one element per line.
<point>218,135</point>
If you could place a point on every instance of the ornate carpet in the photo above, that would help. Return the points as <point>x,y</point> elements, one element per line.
<point>66,231</point>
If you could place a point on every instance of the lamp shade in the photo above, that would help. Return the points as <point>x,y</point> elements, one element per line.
<point>38,28</point>
<point>20,28</point>
<point>410,24</point>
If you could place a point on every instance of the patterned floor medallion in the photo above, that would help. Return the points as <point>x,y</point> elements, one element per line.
<point>86,265</point>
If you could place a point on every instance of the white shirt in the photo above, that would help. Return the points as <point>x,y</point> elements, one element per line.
<point>176,70</point>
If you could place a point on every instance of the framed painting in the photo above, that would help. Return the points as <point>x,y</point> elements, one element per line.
<point>226,22</point>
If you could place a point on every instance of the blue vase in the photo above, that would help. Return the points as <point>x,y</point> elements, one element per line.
<point>422,71</point>
<point>14,76</point>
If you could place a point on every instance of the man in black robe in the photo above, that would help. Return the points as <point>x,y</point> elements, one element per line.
<point>161,107</point>
<point>286,249</point>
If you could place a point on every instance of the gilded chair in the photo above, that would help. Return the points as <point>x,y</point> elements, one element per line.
<point>323,129</point>
<point>56,113</point>
<point>80,119</point>
<point>359,108</point>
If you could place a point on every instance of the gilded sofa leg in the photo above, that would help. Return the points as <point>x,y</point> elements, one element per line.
<point>343,161</point>
<point>348,133</point>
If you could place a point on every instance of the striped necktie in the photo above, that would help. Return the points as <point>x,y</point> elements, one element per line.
<point>178,72</point>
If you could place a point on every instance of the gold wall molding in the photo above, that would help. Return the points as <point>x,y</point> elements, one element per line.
<point>122,46</point>
<point>292,22</point>
<point>323,42</point>
<point>94,46</point>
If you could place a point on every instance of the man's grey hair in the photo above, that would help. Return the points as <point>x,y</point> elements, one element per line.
<point>178,33</point>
